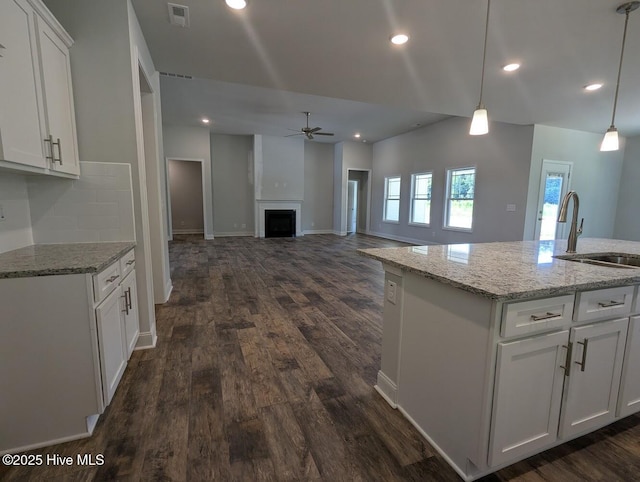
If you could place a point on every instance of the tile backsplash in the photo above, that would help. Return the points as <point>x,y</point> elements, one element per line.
<point>98,207</point>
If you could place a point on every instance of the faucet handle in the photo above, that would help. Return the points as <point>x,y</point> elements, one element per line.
<point>580,228</point>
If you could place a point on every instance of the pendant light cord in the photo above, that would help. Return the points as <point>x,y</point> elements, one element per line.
<point>484,53</point>
<point>624,39</point>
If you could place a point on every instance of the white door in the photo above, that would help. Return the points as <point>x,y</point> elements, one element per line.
<point>591,390</point>
<point>21,139</point>
<point>113,358</point>
<point>554,184</point>
<point>56,77</point>
<point>352,206</point>
<point>630,384</point>
<point>527,396</point>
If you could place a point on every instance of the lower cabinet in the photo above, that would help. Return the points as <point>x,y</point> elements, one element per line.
<point>129,299</point>
<point>557,385</point>
<point>113,354</point>
<point>630,387</point>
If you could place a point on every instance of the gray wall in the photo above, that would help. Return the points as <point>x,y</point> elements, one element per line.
<point>502,160</point>
<point>317,208</point>
<point>347,155</point>
<point>185,182</point>
<point>595,177</point>
<point>279,164</point>
<point>15,229</point>
<point>627,225</point>
<point>181,142</point>
<point>233,202</point>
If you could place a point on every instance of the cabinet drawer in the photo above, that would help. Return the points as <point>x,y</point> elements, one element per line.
<point>607,303</point>
<point>127,263</point>
<point>106,281</point>
<point>534,316</point>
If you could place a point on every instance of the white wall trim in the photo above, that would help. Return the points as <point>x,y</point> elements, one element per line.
<point>168,288</point>
<point>318,231</point>
<point>263,205</point>
<point>188,231</point>
<point>387,389</point>
<point>230,234</point>
<point>146,340</point>
<point>209,237</point>
<point>339,233</point>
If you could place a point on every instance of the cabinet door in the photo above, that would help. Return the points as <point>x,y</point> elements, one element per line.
<point>21,139</point>
<point>527,396</point>
<point>591,390</point>
<point>113,357</point>
<point>629,401</point>
<point>58,100</point>
<point>130,312</point>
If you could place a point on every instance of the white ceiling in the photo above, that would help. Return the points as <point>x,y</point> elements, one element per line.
<point>256,70</point>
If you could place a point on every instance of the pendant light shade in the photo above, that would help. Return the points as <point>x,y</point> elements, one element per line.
<point>610,141</point>
<point>480,121</point>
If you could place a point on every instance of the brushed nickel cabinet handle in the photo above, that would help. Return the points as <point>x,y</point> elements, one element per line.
<point>59,144</point>
<point>50,141</point>
<point>130,262</point>
<point>567,360</point>
<point>548,315</point>
<point>130,305</point>
<point>113,278</point>
<point>585,345</point>
<point>609,304</point>
<point>126,303</point>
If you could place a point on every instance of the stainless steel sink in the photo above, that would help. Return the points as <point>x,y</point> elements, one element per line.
<point>615,260</point>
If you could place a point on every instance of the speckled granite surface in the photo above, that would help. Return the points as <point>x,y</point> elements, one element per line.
<point>56,259</point>
<point>513,270</point>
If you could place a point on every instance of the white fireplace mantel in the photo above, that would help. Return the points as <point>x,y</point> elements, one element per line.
<point>263,205</point>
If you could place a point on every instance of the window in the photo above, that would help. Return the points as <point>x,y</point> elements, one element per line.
<point>391,199</point>
<point>421,198</point>
<point>459,203</point>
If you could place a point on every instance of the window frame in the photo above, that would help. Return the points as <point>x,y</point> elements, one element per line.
<point>414,198</point>
<point>448,199</point>
<point>386,199</point>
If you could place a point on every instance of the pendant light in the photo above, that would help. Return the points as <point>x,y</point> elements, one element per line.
<point>480,121</point>
<point>610,141</point>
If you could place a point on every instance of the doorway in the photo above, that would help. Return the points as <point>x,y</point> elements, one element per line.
<point>554,185</point>
<point>186,193</point>
<point>358,201</point>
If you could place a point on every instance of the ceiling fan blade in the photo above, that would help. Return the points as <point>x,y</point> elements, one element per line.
<point>309,136</point>
<point>314,130</point>
<point>294,130</point>
<point>323,133</point>
<point>298,134</point>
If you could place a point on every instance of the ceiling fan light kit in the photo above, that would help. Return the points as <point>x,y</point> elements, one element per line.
<point>610,141</point>
<point>480,121</point>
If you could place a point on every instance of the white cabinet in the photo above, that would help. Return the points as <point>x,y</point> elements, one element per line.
<point>129,298</point>
<point>37,118</point>
<point>21,138</point>
<point>527,396</point>
<point>113,355</point>
<point>591,389</point>
<point>630,385</point>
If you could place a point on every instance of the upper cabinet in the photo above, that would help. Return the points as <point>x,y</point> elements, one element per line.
<point>37,119</point>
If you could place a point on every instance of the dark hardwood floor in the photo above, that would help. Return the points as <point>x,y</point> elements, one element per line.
<point>267,354</point>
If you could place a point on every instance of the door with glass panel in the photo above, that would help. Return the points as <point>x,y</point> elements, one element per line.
<point>554,185</point>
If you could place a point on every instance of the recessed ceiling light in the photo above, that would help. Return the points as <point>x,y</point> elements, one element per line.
<point>236,4</point>
<point>511,67</point>
<point>400,39</point>
<point>357,136</point>
<point>205,120</point>
<point>364,140</point>
<point>592,87</point>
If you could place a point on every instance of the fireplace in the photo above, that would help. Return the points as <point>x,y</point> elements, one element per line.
<point>279,223</point>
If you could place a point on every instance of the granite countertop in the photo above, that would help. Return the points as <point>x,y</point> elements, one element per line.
<point>513,270</point>
<point>58,259</point>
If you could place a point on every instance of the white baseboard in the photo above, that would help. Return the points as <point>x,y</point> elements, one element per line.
<point>47,443</point>
<point>168,288</point>
<point>318,231</point>
<point>230,234</point>
<point>403,239</point>
<point>208,237</point>
<point>387,389</point>
<point>187,231</point>
<point>339,233</point>
<point>146,340</point>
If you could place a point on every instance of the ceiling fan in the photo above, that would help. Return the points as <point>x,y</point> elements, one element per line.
<point>310,132</point>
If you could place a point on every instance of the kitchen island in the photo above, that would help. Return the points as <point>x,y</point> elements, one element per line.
<point>498,351</point>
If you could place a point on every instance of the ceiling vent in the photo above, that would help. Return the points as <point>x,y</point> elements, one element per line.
<point>178,15</point>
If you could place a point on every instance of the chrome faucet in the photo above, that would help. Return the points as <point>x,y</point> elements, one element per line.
<point>562,218</point>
